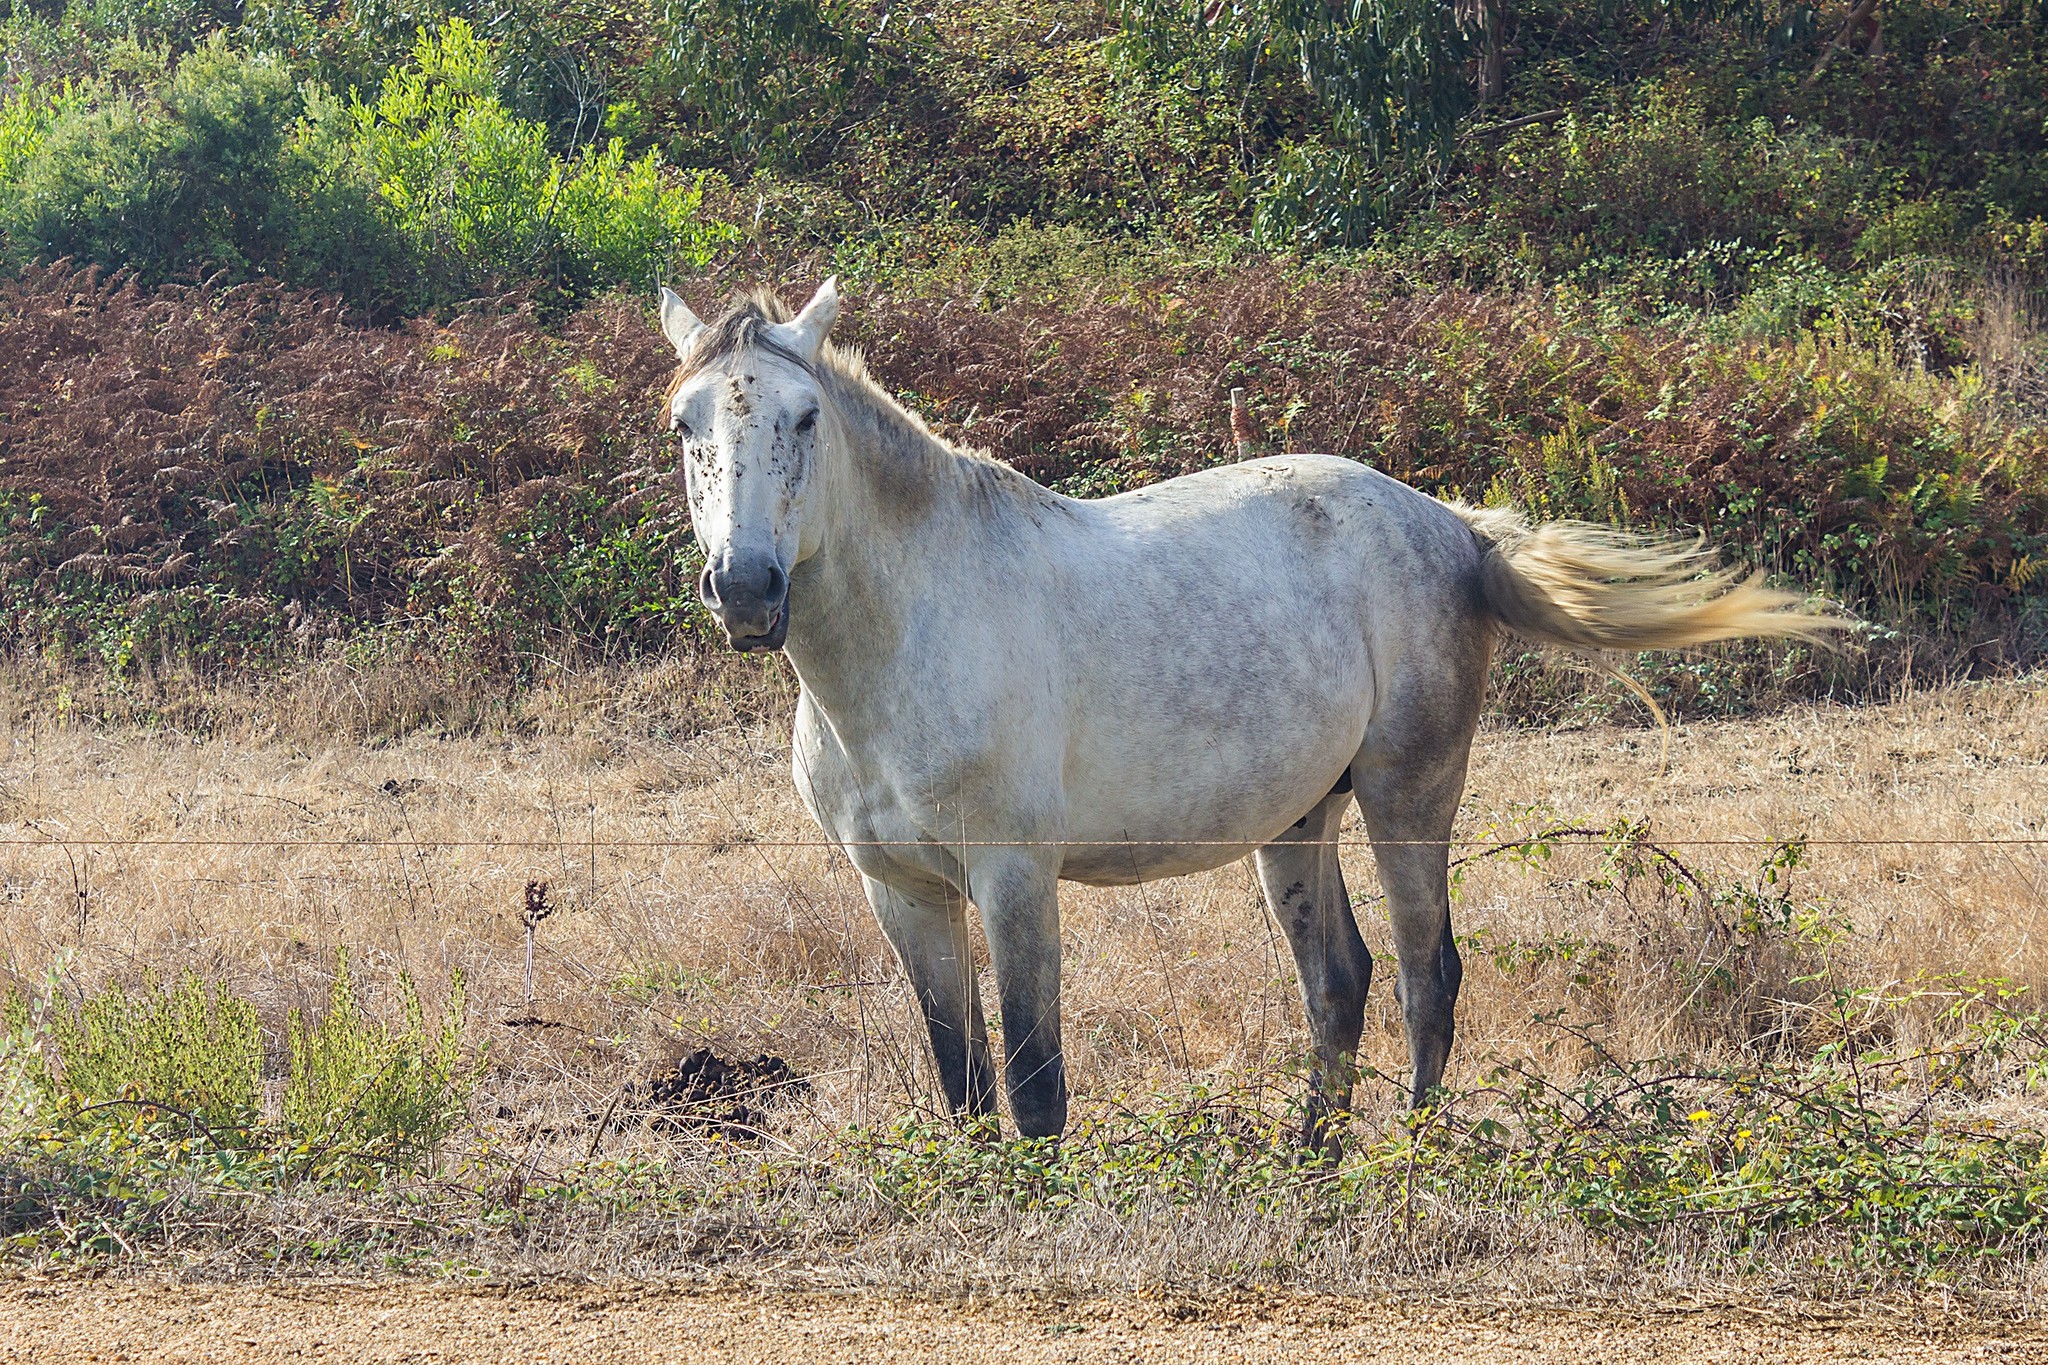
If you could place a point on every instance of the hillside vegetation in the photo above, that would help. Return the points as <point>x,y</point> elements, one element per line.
<point>325,324</point>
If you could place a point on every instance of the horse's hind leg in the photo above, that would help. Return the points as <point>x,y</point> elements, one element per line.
<point>1410,777</point>
<point>930,939</point>
<point>1018,893</point>
<point>1305,888</point>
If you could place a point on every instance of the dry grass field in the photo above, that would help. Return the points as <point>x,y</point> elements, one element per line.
<point>248,835</point>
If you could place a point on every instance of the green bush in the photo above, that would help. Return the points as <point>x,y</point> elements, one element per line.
<point>430,193</point>
<point>215,169</point>
<point>762,79</point>
<point>361,1091</point>
<point>1343,102</point>
<point>154,21</point>
<point>1663,181</point>
<point>1851,1140</point>
<point>25,119</point>
<point>188,1046</point>
<point>479,196</point>
<point>24,1067</point>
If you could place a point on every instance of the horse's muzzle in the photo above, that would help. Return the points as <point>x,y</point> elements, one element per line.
<point>750,599</point>
<point>769,639</point>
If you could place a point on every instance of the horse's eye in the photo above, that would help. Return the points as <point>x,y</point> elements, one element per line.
<point>683,429</point>
<point>806,422</point>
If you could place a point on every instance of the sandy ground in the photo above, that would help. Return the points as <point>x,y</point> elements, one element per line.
<point>116,1320</point>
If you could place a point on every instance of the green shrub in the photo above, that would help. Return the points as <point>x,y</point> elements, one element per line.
<point>762,79</point>
<point>361,1091</point>
<point>187,1046</point>
<point>1852,1140</point>
<point>127,1109</point>
<point>25,119</point>
<point>95,188</point>
<point>170,181</point>
<point>154,21</point>
<point>24,1069</point>
<point>477,193</point>
<point>1317,195</point>
<point>430,193</point>
<point>1338,113</point>
<point>1665,180</point>
<point>215,169</point>
<point>629,222</point>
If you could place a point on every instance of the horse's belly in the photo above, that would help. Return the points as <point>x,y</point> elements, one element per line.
<point>1214,805</point>
<point>1124,863</point>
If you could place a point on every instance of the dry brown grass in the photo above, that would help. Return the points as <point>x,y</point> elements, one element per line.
<point>2010,338</point>
<point>687,921</point>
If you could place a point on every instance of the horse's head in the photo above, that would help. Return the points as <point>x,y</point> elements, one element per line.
<point>746,405</point>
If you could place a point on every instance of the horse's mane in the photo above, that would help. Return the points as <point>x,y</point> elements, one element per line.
<point>922,462</point>
<point>743,327</point>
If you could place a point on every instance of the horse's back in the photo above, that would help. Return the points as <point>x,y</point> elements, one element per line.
<point>1318,530</point>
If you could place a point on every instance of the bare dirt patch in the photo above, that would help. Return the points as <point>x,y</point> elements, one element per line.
<point>410,1321</point>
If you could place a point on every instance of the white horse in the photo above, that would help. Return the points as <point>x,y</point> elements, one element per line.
<point>1003,687</point>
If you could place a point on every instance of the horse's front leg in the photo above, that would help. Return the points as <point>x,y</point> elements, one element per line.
<point>1305,888</point>
<point>1018,893</point>
<point>930,939</point>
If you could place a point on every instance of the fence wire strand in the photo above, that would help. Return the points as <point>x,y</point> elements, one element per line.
<point>740,841</point>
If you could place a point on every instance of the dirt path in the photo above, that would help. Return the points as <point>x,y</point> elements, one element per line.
<point>63,1321</point>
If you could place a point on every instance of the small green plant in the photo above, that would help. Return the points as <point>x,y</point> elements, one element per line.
<point>361,1091</point>
<point>122,1113</point>
<point>188,1046</point>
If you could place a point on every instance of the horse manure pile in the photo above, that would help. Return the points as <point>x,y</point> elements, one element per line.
<point>706,1093</point>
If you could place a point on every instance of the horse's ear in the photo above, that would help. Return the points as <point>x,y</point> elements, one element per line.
<point>806,332</point>
<point>678,323</point>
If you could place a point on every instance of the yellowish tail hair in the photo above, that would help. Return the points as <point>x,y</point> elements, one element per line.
<point>1596,590</point>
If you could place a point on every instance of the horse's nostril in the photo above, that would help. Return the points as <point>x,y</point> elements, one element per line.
<point>778,584</point>
<point>707,589</point>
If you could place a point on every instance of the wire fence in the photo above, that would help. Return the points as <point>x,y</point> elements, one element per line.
<point>1597,839</point>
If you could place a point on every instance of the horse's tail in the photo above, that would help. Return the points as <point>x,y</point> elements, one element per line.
<point>1593,589</point>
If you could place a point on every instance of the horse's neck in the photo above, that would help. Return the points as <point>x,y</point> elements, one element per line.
<point>895,511</point>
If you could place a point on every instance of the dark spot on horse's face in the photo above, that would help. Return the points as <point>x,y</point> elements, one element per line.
<point>738,400</point>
